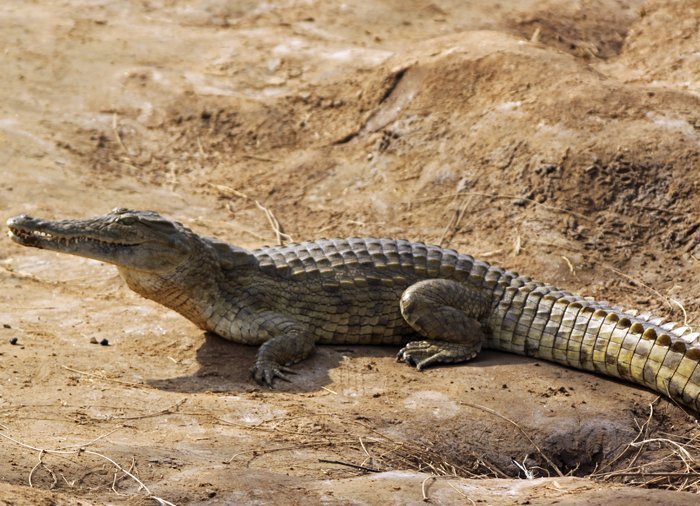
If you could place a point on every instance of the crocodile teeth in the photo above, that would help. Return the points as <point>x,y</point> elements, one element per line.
<point>61,240</point>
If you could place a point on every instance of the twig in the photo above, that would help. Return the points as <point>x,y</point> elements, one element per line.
<point>641,283</point>
<point>683,452</point>
<point>364,449</point>
<point>78,452</point>
<point>461,493</point>
<point>523,467</point>
<point>517,245</point>
<point>643,432</point>
<point>31,473</point>
<point>114,484</point>
<point>114,481</point>
<point>275,224</point>
<point>227,189</point>
<point>354,466</point>
<point>162,502</point>
<point>271,218</point>
<point>424,488</point>
<point>115,127</point>
<point>685,315</point>
<point>142,485</point>
<point>661,474</point>
<point>69,483</point>
<point>493,468</point>
<point>490,253</point>
<point>571,266</point>
<point>451,227</point>
<point>53,476</point>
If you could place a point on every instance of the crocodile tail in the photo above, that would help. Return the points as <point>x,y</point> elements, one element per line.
<point>541,321</point>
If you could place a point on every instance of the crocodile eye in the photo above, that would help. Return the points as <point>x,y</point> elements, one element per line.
<point>128,220</point>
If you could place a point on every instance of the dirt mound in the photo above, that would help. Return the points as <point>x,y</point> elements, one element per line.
<point>443,124</point>
<point>593,30</point>
<point>662,47</point>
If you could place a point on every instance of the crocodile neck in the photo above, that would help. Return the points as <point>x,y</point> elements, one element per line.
<point>193,289</point>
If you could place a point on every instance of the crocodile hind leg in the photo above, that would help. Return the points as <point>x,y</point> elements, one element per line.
<point>446,312</point>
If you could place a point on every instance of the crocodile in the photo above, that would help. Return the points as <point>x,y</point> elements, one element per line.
<point>440,305</point>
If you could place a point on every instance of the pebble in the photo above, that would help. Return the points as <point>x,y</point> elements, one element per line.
<point>13,340</point>
<point>104,342</point>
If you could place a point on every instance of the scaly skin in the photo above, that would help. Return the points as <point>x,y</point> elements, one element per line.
<point>442,305</point>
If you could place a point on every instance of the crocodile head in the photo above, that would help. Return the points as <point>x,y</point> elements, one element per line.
<point>134,240</point>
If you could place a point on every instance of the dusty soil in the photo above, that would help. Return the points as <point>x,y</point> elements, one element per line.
<point>558,138</point>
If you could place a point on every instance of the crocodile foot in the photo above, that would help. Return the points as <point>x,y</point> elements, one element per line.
<point>421,354</point>
<point>265,371</point>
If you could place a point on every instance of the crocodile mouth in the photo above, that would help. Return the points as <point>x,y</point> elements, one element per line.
<point>48,240</point>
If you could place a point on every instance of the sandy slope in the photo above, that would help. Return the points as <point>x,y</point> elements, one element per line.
<point>556,138</point>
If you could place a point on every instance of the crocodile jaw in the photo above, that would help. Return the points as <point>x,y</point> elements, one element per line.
<point>29,231</point>
<point>100,239</point>
<point>74,240</point>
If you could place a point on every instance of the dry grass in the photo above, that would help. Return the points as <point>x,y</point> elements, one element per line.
<point>656,459</point>
<point>76,452</point>
<point>358,448</point>
<point>653,459</point>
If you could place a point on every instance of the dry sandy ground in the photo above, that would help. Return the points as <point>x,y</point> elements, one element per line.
<point>558,138</point>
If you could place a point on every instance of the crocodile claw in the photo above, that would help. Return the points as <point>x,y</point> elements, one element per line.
<point>418,354</point>
<point>264,372</point>
<point>422,354</point>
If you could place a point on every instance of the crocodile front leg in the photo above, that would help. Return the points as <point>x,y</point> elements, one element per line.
<point>447,313</point>
<point>291,343</point>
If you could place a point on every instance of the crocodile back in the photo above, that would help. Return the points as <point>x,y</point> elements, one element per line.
<point>395,258</point>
